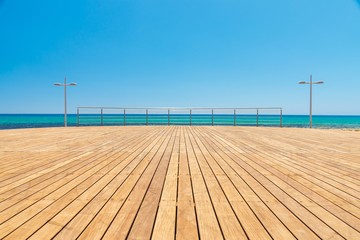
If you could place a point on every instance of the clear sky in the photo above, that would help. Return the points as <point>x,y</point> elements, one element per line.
<point>188,53</point>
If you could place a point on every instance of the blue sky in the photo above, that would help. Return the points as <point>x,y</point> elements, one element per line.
<point>214,53</point>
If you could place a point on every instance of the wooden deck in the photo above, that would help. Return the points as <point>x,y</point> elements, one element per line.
<point>163,182</point>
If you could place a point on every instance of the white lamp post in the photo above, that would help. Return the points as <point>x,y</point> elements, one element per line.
<point>70,84</point>
<point>311,83</point>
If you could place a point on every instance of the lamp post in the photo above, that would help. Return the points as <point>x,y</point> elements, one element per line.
<point>70,84</point>
<point>311,83</point>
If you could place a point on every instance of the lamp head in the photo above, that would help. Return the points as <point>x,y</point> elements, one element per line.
<point>72,84</point>
<point>320,82</point>
<point>57,84</point>
<point>302,82</point>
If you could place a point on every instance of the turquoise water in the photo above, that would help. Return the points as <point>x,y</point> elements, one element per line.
<point>11,121</point>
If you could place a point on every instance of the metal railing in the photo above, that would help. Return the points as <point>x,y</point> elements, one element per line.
<point>230,116</point>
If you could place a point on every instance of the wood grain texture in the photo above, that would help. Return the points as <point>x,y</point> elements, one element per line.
<point>179,182</point>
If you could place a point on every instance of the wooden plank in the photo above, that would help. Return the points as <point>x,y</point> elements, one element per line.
<point>341,208</point>
<point>333,215</point>
<point>143,199</point>
<point>289,200</point>
<point>142,227</point>
<point>186,222</point>
<point>243,200</point>
<point>229,216</point>
<point>54,204</point>
<point>99,225</point>
<point>44,180</point>
<point>51,157</point>
<point>90,201</point>
<point>297,227</point>
<point>20,206</point>
<point>207,220</point>
<point>105,197</point>
<point>34,169</point>
<point>164,227</point>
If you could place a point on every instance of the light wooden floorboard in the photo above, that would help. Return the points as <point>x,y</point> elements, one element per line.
<point>179,182</point>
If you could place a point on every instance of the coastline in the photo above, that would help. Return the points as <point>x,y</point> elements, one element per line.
<point>20,121</point>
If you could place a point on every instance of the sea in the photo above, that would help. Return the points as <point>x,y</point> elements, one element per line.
<point>15,121</point>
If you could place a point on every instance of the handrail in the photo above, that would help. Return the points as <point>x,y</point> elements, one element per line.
<point>181,108</point>
<point>178,108</point>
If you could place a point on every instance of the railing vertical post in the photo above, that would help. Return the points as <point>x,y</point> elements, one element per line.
<point>146,117</point>
<point>280,117</point>
<point>77,116</point>
<point>168,117</point>
<point>257,117</point>
<point>102,122</point>
<point>212,117</point>
<point>234,117</point>
<point>124,116</point>
<point>190,117</point>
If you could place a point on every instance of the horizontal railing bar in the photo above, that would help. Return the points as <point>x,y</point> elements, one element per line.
<point>179,115</point>
<point>185,116</point>
<point>165,108</point>
<point>268,121</point>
